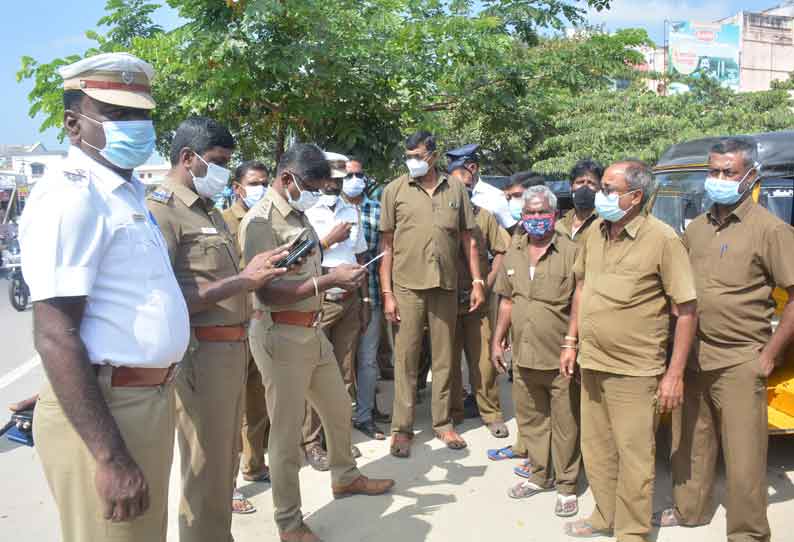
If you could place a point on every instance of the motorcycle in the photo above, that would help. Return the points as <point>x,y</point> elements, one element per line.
<point>18,291</point>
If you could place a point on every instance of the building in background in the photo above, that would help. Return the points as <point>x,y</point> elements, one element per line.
<point>767,46</point>
<point>32,161</point>
<point>152,173</point>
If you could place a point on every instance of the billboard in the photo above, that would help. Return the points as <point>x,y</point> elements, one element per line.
<point>705,49</point>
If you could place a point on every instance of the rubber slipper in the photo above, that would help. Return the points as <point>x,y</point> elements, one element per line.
<point>500,454</point>
<point>241,505</point>
<point>566,506</point>
<point>263,476</point>
<point>524,490</point>
<point>583,529</point>
<point>524,470</point>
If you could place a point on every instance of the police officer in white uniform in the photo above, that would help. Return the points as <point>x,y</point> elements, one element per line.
<point>109,319</point>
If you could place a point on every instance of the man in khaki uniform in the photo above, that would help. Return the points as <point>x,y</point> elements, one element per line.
<point>249,185</point>
<point>535,286</point>
<point>293,354</point>
<point>211,379</point>
<point>740,252</point>
<point>473,333</point>
<point>631,273</point>
<point>585,183</point>
<point>110,323</point>
<point>425,218</point>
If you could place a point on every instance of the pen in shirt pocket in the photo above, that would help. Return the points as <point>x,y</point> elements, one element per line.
<point>723,249</point>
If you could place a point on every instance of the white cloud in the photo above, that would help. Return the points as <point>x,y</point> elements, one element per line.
<point>627,13</point>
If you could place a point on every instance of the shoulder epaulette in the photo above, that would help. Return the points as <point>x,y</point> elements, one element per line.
<point>161,195</point>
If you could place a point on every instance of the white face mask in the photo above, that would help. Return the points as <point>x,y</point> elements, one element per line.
<point>417,167</point>
<point>213,182</point>
<point>328,200</point>
<point>353,186</point>
<point>253,194</point>
<point>305,201</point>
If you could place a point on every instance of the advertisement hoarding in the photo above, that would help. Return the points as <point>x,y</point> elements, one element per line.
<point>705,49</point>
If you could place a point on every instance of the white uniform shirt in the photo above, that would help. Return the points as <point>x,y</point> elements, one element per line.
<point>493,200</point>
<point>323,220</point>
<point>86,232</point>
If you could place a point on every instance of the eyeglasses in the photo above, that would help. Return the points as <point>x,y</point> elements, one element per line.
<point>356,176</point>
<point>607,191</point>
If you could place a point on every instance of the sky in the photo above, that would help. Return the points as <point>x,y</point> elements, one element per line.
<point>48,29</point>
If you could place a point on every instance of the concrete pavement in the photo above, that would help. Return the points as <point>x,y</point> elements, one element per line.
<point>441,495</point>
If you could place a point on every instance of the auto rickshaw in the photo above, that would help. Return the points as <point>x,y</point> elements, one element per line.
<point>681,174</point>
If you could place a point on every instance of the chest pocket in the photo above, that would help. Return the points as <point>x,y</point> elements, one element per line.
<point>551,287</point>
<point>616,288</point>
<point>446,217</point>
<point>209,253</point>
<point>135,250</point>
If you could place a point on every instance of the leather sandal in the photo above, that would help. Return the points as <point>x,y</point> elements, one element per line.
<point>401,445</point>
<point>262,476</point>
<point>452,440</point>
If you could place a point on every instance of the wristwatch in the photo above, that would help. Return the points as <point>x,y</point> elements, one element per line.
<point>481,282</point>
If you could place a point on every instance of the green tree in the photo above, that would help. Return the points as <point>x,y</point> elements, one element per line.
<point>610,125</point>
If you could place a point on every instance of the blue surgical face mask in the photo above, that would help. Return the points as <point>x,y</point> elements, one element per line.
<point>253,194</point>
<point>726,192</point>
<point>128,143</point>
<point>516,206</point>
<point>608,207</point>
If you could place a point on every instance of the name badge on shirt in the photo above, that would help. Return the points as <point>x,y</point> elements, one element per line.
<point>453,205</point>
<point>511,272</point>
<point>209,231</point>
<point>138,218</point>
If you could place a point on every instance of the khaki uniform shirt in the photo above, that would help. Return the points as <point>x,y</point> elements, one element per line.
<point>565,225</point>
<point>624,315</point>
<point>201,249</point>
<point>426,231</point>
<point>491,239</point>
<point>542,304</point>
<point>233,216</point>
<point>737,264</point>
<point>273,222</point>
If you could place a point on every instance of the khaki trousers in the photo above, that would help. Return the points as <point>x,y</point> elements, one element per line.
<point>341,323</point>
<point>297,364</point>
<point>547,415</point>
<point>256,424</point>
<point>209,393</point>
<point>473,337</point>
<point>725,407</point>
<point>145,417</point>
<point>619,421</point>
<point>439,309</point>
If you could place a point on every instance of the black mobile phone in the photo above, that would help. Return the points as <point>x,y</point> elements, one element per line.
<point>303,248</point>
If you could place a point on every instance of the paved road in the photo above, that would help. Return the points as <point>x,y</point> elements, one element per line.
<point>441,495</point>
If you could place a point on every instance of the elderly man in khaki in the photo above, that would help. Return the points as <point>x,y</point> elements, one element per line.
<point>425,218</point>
<point>293,354</point>
<point>740,252</point>
<point>632,272</point>
<point>249,185</point>
<point>536,286</point>
<point>585,183</point>
<point>211,379</point>
<point>473,333</point>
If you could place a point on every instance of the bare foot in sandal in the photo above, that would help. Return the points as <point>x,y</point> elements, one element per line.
<point>241,505</point>
<point>666,518</point>
<point>498,429</point>
<point>581,528</point>
<point>566,505</point>
<point>451,439</point>
<point>401,445</point>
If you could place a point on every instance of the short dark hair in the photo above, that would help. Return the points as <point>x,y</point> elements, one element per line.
<point>306,160</point>
<point>72,99</point>
<point>735,144</point>
<point>249,165</point>
<point>354,158</point>
<point>587,166</point>
<point>200,134</point>
<point>525,179</point>
<point>422,137</point>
